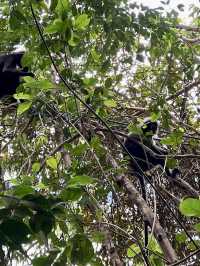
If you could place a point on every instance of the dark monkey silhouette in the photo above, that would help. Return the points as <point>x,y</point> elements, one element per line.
<point>146,156</point>
<point>11,70</point>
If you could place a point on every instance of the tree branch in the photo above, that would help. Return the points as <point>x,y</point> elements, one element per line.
<point>136,199</point>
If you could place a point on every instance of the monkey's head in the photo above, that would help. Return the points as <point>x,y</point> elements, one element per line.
<point>150,127</point>
<point>174,172</point>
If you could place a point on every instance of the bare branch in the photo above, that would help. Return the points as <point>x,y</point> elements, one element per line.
<point>188,28</point>
<point>186,88</point>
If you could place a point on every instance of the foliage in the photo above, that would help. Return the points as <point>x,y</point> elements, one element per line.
<point>60,202</point>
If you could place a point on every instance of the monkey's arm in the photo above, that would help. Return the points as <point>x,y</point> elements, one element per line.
<point>19,73</point>
<point>159,150</point>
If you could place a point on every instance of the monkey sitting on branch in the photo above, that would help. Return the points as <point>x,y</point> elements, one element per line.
<point>146,155</point>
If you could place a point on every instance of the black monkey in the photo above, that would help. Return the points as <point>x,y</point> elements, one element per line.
<point>146,156</point>
<point>10,72</point>
<point>10,61</point>
<point>145,151</point>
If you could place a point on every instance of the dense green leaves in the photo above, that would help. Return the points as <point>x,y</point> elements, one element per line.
<point>42,222</point>
<point>13,233</point>
<point>82,250</point>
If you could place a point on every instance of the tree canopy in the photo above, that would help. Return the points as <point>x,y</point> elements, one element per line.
<point>67,196</point>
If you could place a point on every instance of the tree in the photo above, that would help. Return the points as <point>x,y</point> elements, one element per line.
<point>67,197</point>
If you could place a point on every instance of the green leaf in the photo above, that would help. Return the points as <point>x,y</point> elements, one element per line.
<point>95,55</point>
<point>71,104</point>
<point>197,227</point>
<point>82,21</point>
<point>22,190</point>
<point>51,259</point>
<point>132,128</point>
<point>110,103</point>
<point>90,81</point>
<point>171,163</point>
<point>36,167</point>
<point>74,40</point>
<point>153,245</point>
<point>52,162</point>
<point>98,237</point>
<point>43,84</point>
<point>63,226</point>
<point>181,237</point>
<point>13,233</point>
<point>62,8</point>
<point>82,250</point>
<point>53,4</point>
<point>133,250</point>
<point>23,107</point>
<point>108,82</point>
<point>82,180</point>
<point>190,207</point>
<point>16,20</point>
<point>155,116</point>
<point>40,200</point>
<point>41,185</point>
<point>22,96</point>
<point>174,139</point>
<point>58,26</point>
<point>72,194</point>
<point>80,149</point>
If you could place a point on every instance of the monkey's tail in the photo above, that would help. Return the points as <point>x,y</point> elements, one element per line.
<point>144,195</point>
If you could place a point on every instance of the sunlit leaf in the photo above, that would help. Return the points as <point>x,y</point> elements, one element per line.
<point>36,167</point>
<point>23,107</point>
<point>22,96</point>
<point>110,103</point>
<point>90,81</point>
<point>82,21</point>
<point>174,138</point>
<point>52,162</point>
<point>78,181</point>
<point>74,40</point>
<point>57,26</point>
<point>43,84</point>
<point>133,250</point>
<point>190,207</point>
